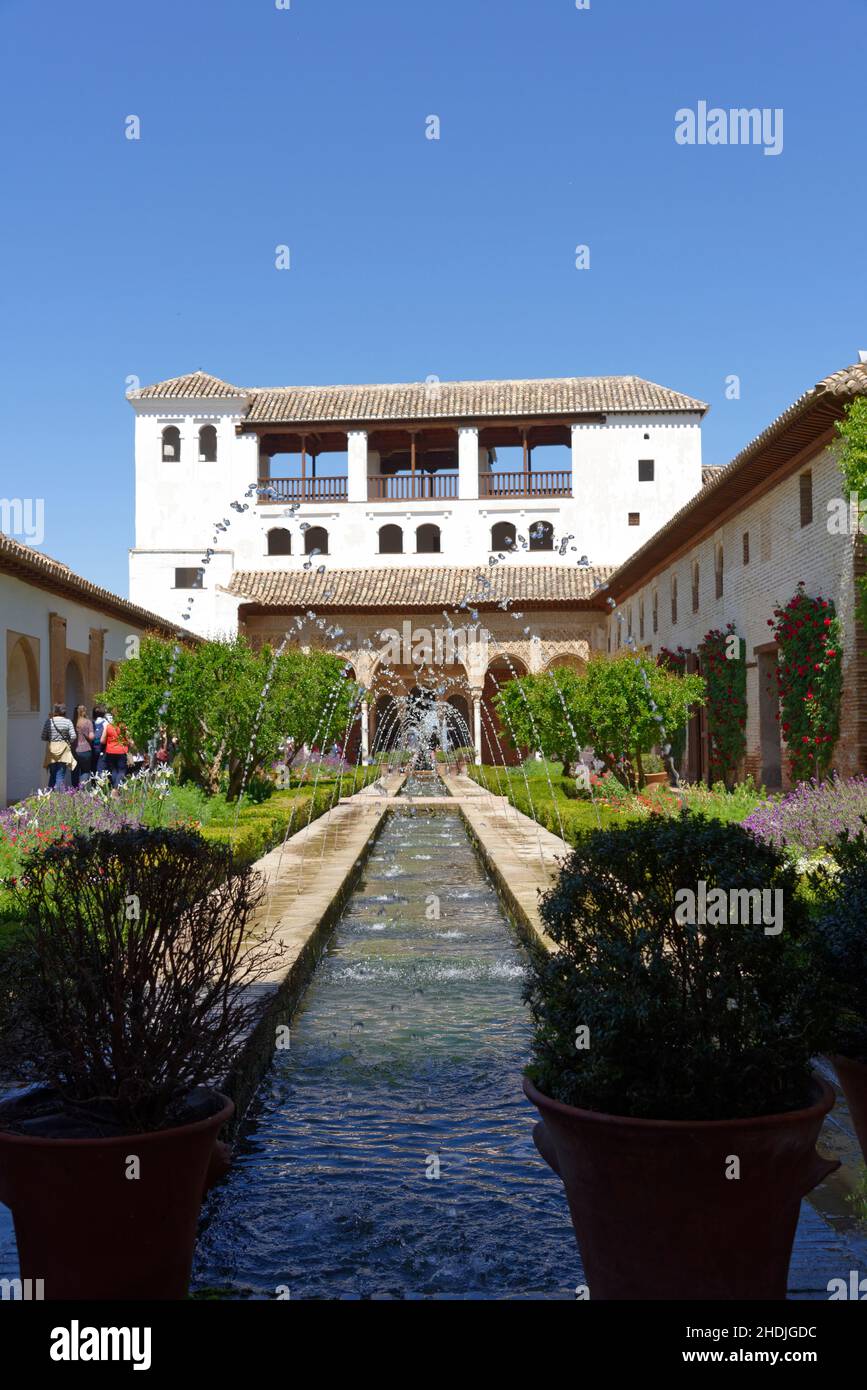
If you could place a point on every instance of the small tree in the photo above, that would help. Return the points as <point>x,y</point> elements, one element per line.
<point>622,706</point>
<point>231,707</point>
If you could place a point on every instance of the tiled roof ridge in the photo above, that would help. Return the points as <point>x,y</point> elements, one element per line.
<point>844,384</point>
<point>66,580</point>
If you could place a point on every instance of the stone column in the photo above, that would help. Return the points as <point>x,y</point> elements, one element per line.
<point>356,466</point>
<point>468,462</point>
<point>477,725</point>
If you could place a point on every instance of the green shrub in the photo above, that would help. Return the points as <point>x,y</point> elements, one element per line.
<point>686,1021</point>
<point>840,945</point>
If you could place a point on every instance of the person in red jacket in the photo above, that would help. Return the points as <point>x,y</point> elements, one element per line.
<point>115,741</point>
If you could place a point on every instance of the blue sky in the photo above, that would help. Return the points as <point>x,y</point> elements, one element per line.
<point>410,256</point>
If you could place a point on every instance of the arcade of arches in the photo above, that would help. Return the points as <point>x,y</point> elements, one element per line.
<point>465,679</point>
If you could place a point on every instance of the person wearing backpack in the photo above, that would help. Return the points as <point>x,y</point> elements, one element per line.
<point>99,719</point>
<point>58,733</point>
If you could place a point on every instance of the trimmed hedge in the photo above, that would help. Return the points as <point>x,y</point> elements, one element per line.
<point>576,816</point>
<point>262,825</point>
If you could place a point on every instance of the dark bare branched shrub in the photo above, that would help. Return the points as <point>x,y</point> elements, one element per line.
<point>133,981</point>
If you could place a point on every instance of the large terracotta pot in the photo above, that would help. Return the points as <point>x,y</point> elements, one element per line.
<point>656,1217</point>
<point>656,779</point>
<point>853,1080</point>
<point>90,1231</point>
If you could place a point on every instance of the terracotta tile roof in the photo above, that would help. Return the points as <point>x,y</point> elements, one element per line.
<point>33,567</point>
<point>797,428</point>
<point>441,586</point>
<point>194,385</point>
<point>709,472</point>
<point>446,400</point>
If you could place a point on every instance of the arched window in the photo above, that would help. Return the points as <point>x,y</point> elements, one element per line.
<point>171,444</point>
<point>503,536</point>
<point>208,444</point>
<point>316,538</point>
<point>22,678</point>
<point>696,586</point>
<point>390,540</point>
<point>541,536</point>
<point>427,539</point>
<point>279,541</point>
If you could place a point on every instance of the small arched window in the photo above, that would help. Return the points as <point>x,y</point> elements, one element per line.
<point>503,536</point>
<point>316,538</point>
<point>171,444</point>
<point>390,540</point>
<point>541,536</point>
<point>208,444</point>
<point>427,539</point>
<point>279,541</point>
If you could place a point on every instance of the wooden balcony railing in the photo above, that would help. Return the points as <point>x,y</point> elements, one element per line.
<point>412,488</point>
<point>302,489</point>
<point>543,484</point>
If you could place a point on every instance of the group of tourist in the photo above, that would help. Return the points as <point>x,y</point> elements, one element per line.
<point>94,743</point>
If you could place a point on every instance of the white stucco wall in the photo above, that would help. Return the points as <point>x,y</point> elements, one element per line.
<point>178,503</point>
<point>781,552</point>
<point>25,609</point>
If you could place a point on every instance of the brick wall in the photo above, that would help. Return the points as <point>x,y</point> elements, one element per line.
<point>782,551</point>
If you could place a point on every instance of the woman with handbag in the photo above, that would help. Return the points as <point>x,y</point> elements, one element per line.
<point>84,734</point>
<point>58,733</point>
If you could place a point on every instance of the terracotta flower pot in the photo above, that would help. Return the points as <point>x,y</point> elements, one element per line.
<point>90,1231</point>
<point>655,1215</point>
<point>656,779</point>
<point>852,1076</point>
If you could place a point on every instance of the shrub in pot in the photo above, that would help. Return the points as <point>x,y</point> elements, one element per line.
<point>128,995</point>
<point>841,952</point>
<point>671,1061</point>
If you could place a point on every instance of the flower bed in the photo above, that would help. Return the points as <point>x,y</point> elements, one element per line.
<point>812,815</point>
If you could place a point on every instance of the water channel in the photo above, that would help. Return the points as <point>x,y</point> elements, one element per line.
<point>390,1151</point>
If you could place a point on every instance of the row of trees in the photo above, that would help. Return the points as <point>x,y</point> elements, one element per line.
<point>231,708</point>
<point>621,706</point>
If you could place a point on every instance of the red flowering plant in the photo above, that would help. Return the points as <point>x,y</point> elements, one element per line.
<point>724,667</point>
<point>809,675</point>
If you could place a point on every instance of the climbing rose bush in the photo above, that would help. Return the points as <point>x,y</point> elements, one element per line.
<point>724,667</point>
<point>809,675</point>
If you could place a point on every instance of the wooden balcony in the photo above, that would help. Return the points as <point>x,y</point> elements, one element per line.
<point>409,487</point>
<point>303,489</point>
<point>542,484</point>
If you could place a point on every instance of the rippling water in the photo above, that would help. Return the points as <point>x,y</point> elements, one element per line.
<point>405,1061</point>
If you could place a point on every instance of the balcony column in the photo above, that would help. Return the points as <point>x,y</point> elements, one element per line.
<point>356,465</point>
<point>468,462</point>
<point>477,725</point>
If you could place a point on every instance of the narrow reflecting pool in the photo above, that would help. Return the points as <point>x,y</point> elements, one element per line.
<point>405,1063</point>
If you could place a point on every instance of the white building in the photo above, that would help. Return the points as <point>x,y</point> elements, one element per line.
<point>438,474</point>
<point>61,640</point>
